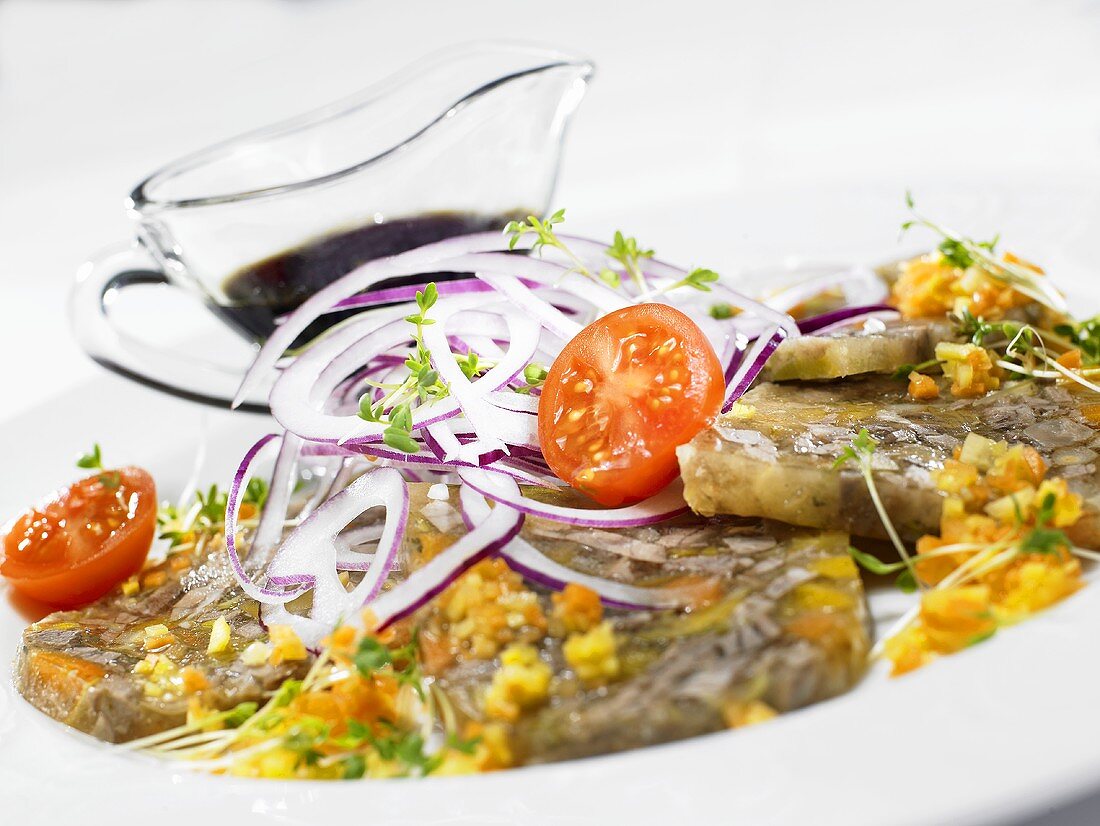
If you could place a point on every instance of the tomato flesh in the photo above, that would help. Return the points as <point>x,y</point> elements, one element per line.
<point>622,395</point>
<point>85,540</point>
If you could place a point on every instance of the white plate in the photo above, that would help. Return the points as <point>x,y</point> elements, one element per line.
<point>1003,730</point>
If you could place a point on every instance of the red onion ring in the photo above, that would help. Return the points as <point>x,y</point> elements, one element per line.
<point>496,531</point>
<point>837,319</point>
<point>529,562</point>
<point>664,505</point>
<point>232,509</point>
<point>750,366</point>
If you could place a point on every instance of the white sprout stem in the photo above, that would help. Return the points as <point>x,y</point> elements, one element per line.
<point>200,739</point>
<point>884,517</point>
<point>1070,374</point>
<point>1021,278</point>
<point>956,577</point>
<point>1092,556</point>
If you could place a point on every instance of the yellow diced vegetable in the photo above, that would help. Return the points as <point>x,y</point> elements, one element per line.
<point>219,636</point>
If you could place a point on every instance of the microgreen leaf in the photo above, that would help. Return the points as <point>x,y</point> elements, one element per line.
<point>371,656</point>
<point>463,745</point>
<point>534,374</point>
<point>980,638</point>
<point>902,373</point>
<point>721,311</point>
<point>400,440</point>
<point>543,230</point>
<point>286,692</point>
<point>366,408</point>
<point>92,460</point>
<point>239,714</point>
<point>872,563</point>
<point>861,451</point>
<point>212,506</point>
<point>1044,515</point>
<point>354,766</point>
<point>255,492</point>
<point>954,252</point>
<point>426,299</point>
<point>1044,541</point>
<point>1086,336</point>
<point>906,581</point>
<point>471,365</point>
<point>698,279</point>
<point>627,252</point>
<point>610,278</point>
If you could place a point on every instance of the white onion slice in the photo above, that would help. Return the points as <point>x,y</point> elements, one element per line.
<point>516,402</point>
<point>309,551</point>
<point>273,515</point>
<point>232,510</point>
<point>494,428</point>
<point>855,280</point>
<point>546,314</point>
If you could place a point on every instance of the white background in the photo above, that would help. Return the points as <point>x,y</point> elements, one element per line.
<point>706,109</point>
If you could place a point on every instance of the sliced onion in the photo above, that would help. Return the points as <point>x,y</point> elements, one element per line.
<point>496,531</point>
<point>664,505</point>
<point>531,563</point>
<point>856,281</point>
<point>751,365</point>
<point>350,560</point>
<point>516,402</point>
<point>309,554</point>
<point>522,471</point>
<point>480,431</point>
<point>297,398</point>
<point>416,262</point>
<point>838,319</point>
<point>494,427</point>
<point>273,515</point>
<point>450,255</point>
<point>546,314</point>
<point>393,295</point>
<point>232,509</point>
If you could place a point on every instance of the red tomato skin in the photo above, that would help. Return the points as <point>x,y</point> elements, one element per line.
<point>72,582</point>
<point>644,406</point>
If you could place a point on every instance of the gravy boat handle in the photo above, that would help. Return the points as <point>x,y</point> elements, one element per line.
<point>98,281</point>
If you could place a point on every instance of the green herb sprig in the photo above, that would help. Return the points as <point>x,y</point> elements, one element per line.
<point>1085,336</point>
<point>902,373</point>
<point>627,252</point>
<point>861,452</point>
<point>93,460</point>
<point>964,252</point>
<point>422,384</point>
<point>209,512</point>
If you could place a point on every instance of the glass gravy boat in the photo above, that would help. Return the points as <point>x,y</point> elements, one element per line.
<point>461,141</point>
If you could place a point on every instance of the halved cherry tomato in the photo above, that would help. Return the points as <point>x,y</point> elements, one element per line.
<point>87,539</point>
<point>622,395</point>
